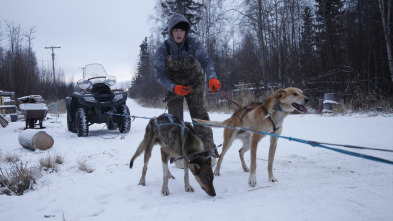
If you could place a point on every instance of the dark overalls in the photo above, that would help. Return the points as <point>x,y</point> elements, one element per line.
<point>188,72</point>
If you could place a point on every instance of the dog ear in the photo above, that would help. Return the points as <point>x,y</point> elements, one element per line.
<point>280,94</point>
<point>195,168</point>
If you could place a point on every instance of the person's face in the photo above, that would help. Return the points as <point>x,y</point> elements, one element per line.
<point>178,35</point>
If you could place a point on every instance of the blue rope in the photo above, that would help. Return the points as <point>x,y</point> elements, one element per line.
<point>53,106</point>
<point>311,143</point>
<point>123,115</point>
<point>353,153</point>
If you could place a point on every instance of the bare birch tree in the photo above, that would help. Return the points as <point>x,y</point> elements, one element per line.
<point>386,23</point>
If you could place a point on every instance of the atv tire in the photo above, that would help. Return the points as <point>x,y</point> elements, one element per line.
<point>111,125</point>
<point>81,126</point>
<point>124,120</point>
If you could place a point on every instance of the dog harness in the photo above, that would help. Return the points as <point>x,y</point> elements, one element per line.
<point>278,108</point>
<point>172,122</point>
<point>183,127</point>
<point>268,115</point>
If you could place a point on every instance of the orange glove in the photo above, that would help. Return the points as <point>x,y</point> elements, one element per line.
<point>182,90</point>
<point>214,84</point>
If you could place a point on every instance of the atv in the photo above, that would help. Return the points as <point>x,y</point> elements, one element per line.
<point>97,103</point>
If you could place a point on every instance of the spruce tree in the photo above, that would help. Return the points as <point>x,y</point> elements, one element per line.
<point>141,78</point>
<point>307,46</point>
<point>144,84</point>
<point>329,32</point>
<point>189,8</point>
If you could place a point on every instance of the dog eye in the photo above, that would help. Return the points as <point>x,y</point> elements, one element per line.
<point>295,94</point>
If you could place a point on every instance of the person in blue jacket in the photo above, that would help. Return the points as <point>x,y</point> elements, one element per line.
<point>180,63</point>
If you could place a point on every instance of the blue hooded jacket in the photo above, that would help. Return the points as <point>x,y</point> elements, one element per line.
<point>195,49</point>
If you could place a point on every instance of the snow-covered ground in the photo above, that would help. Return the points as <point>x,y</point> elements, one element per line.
<point>314,183</point>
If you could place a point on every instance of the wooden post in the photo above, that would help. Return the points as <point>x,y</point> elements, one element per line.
<point>328,102</point>
<point>320,105</point>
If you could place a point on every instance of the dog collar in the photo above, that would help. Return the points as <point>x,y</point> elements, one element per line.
<point>278,108</point>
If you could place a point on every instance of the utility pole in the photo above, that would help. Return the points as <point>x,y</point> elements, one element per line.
<point>83,71</point>
<point>53,62</point>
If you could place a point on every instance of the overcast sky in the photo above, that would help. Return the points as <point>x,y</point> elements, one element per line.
<point>88,31</point>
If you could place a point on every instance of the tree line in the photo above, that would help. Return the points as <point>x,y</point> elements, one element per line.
<point>321,46</point>
<point>19,69</point>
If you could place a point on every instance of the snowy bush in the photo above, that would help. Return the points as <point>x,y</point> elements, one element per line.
<point>11,158</point>
<point>17,179</point>
<point>50,163</point>
<point>82,165</point>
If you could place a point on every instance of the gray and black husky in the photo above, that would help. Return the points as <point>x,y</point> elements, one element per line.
<point>177,140</point>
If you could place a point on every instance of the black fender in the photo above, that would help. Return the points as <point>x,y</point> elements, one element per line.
<point>72,103</point>
<point>68,101</point>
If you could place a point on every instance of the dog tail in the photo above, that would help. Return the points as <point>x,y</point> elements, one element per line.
<point>138,152</point>
<point>218,123</point>
<point>146,143</point>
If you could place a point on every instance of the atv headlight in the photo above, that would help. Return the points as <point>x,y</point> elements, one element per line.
<point>118,97</point>
<point>110,80</point>
<point>84,84</point>
<point>90,99</point>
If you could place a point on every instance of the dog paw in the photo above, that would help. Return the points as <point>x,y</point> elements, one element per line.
<point>272,179</point>
<point>246,169</point>
<point>216,173</point>
<point>142,182</point>
<point>252,180</point>
<point>165,191</point>
<point>189,189</point>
